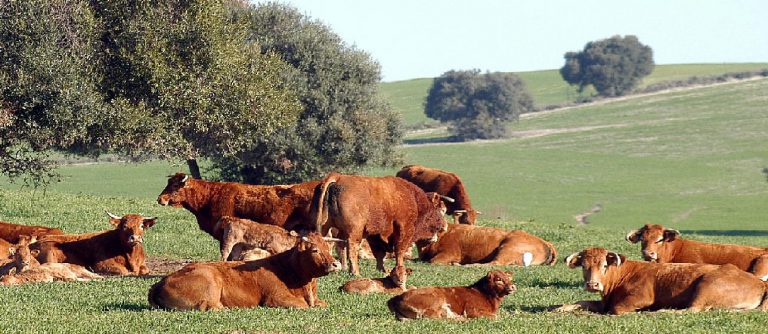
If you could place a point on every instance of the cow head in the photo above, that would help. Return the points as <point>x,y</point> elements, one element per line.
<point>174,193</point>
<point>431,223</point>
<point>438,201</point>
<point>465,216</point>
<point>131,228</point>
<point>496,283</point>
<point>399,275</point>
<point>23,257</point>
<point>596,265</point>
<point>653,239</point>
<point>314,255</point>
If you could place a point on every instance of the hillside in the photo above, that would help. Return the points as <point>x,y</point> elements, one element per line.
<point>546,87</point>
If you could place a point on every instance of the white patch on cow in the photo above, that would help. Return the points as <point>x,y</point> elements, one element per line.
<point>764,278</point>
<point>527,259</point>
<point>449,312</point>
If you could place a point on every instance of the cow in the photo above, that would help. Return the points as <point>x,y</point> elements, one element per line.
<point>470,244</point>
<point>22,257</point>
<point>286,206</point>
<point>629,286</point>
<point>119,251</point>
<point>664,245</point>
<point>5,249</point>
<point>11,232</point>
<point>481,299</point>
<point>394,283</point>
<point>240,235</point>
<point>287,279</point>
<point>50,272</point>
<point>444,183</point>
<point>389,212</point>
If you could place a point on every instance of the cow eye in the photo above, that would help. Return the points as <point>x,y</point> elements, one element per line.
<point>660,240</point>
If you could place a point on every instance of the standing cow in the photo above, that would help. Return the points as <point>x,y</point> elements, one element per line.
<point>629,286</point>
<point>664,245</point>
<point>446,184</point>
<point>389,212</point>
<point>286,206</point>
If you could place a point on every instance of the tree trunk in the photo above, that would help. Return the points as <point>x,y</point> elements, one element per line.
<point>194,169</point>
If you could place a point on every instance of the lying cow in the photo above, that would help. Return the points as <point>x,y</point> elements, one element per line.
<point>394,283</point>
<point>629,286</point>
<point>444,183</point>
<point>242,235</point>
<point>389,212</point>
<point>11,232</point>
<point>287,279</point>
<point>22,258</point>
<point>481,299</point>
<point>664,245</point>
<point>119,251</point>
<point>50,272</point>
<point>286,206</point>
<point>468,244</point>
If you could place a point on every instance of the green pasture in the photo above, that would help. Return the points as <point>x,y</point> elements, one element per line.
<point>691,160</point>
<point>547,87</point>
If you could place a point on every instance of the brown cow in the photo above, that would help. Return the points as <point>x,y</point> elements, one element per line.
<point>286,206</point>
<point>628,286</point>
<point>23,258</point>
<point>466,244</point>
<point>389,212</point>
<point>5,249</point>
<point>50,272</point>
<point>11,232</point>
<point>287,279</point>
<point>241,235</point>
<point>394,283</point>
<point>119,251</point>
<point>664,245</point>
<point>481,299</point>
<point>446,184</point>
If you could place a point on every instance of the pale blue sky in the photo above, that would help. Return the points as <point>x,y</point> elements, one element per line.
<point>418,39</point>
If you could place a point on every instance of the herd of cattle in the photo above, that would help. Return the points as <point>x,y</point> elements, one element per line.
<point>276,241</point>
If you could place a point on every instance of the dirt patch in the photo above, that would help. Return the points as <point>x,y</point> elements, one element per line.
<point>161,266</point>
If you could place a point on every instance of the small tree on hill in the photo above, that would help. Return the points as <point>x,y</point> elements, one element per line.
<point>614,66</point>
<point>475,105</point>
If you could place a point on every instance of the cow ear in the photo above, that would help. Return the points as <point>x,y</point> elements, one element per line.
<point>408,271</point>
<point>149,222</point>
<point>114,221</point>
<point>293,233</point>
<point>633,236</point>
<point>573,260</point>
<point>671,235</point>
<point>11,250</point>
<point>615,259</point>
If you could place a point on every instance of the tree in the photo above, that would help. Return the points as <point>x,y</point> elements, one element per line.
<point>344,124</point>
<point>477,106</point>
<point>614,66</point>
<point>175,80</point>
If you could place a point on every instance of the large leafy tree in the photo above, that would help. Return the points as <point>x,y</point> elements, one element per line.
<point>175,80</point>
<point>476,105</point>
<point>614,66</point>
<point>344,124</point>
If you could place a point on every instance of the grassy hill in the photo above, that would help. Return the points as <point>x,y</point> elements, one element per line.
<point>546,87</point>
<point>691,160</point>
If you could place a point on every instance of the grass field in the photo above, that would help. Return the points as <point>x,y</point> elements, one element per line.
<point>546,87</point>
<point>691,160</point>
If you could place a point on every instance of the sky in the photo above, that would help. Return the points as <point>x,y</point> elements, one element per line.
<point>425,38</point>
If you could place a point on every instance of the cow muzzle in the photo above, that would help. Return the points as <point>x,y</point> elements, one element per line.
<point>135,239</point>
<point>162,201</point>
<point>593,286</point>
<point>650,256</point>
<point>511,288</point>
<point>333,267</point>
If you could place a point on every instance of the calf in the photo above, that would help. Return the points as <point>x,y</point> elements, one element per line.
<point>628,286</point>
<point>444,183</point>
<point>467,244</point>
<point>286,206</point>
<point>394,283</point>
<point>11,232</point>
<point>116,252</point>
<point>287,279</point>
<point>481,299</point>
<point>23,258</point>
<point>50,272</point>
<point>240,235</point>
<point>662,245</point>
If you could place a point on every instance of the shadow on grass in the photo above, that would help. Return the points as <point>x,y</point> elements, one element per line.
<point>557,284</point>
<point>435,140</point>
<point>731,233</point>
<point>133,307</point>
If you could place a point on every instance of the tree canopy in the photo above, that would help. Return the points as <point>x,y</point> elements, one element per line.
<point>614,66</point>
<point>475,105</point>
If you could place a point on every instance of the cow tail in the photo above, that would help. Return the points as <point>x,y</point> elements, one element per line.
<point>154,295</point>
<point>320,212</point>
<point>552,254</point>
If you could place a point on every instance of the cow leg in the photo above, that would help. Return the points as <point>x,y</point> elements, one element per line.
<point>353,246</point>
<point>285,299</point>
<point>445,258</point>
<point>379,250</point>
<point>111,268</point>
<point>760,267</point>
<point>630,303</point>
<point>226,248</point>
<point>587,305</point>
<point>510,254</point>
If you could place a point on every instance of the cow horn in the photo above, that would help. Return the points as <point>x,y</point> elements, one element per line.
<point>334,239</point>
<point>460,211</point>
<point>186,177</point>
<point>447,198</point>
<point>149,218</point>
<point>629,235</point>
<point>570,258</point>
<point>478,212</point>
<point>111,215</point>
